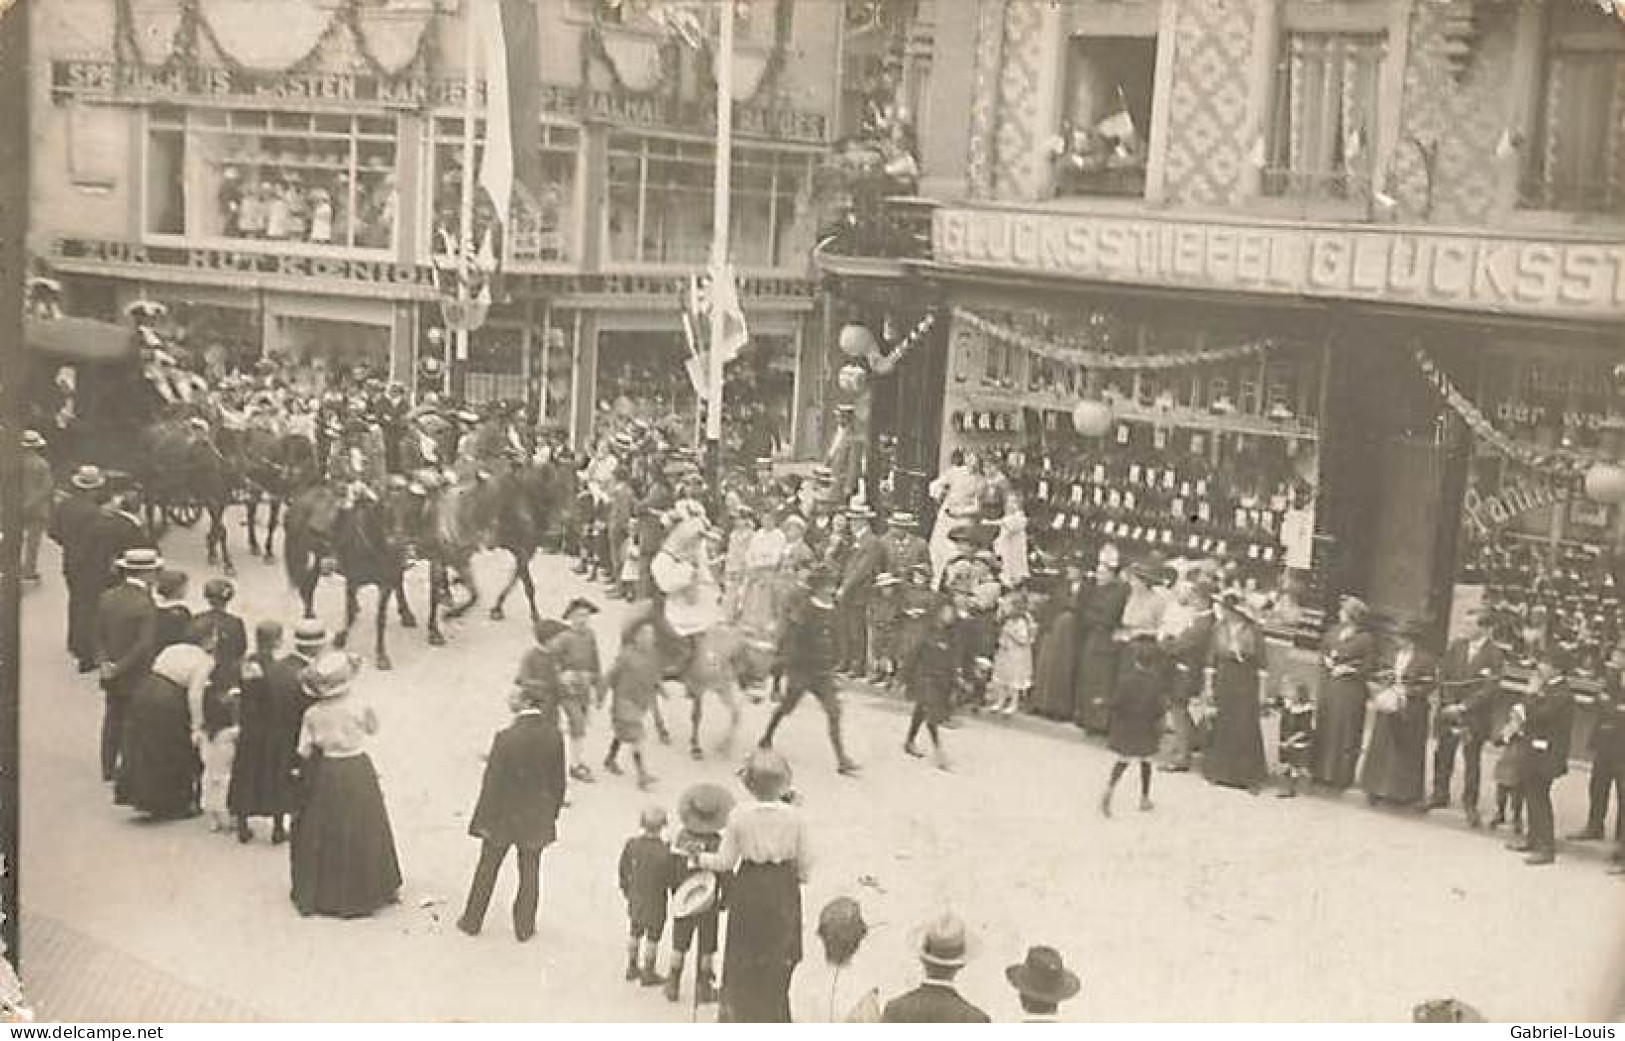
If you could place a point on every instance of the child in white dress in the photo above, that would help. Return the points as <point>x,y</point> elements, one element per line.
<point>1013,661</point>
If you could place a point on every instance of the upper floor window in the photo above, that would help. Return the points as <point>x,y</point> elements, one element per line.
<point>1576,155</point>
<point>660,203</point>
<point>1103,142</point>
<point>542,225</point>
<point>1323,120</point>
<point>281,177</point>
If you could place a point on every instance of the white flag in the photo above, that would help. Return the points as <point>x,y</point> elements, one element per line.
<point>734,334</point>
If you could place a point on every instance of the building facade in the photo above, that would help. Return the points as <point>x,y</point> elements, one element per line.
<point>286,175</point>
<point>1367,258</point>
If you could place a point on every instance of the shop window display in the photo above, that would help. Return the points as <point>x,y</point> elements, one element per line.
<point>660,203</point>
<point>277,177</point>
<point>543,223</point>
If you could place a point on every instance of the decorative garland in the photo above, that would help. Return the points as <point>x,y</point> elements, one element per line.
<point>194,26</point>
<point>1560,463</point>
<point>593,50</point>
<point>776,57</point>
<point>1105,360</point>
<point>885,364</point>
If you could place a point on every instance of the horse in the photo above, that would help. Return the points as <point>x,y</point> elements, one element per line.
<point>276,464</point>
<point>518,502</point>
<point>727,660</point>
<point>365,538</point>
<point>183,465</point>
<point>448,532</point>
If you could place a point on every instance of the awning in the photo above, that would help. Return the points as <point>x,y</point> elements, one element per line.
<point>78,339</point>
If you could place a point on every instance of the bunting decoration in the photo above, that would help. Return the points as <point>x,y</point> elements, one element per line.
<point>1559,463</point>
<point>1106,360</point>
<point>884,364</point>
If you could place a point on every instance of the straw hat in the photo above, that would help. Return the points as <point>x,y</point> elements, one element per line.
<point>704,808</point>
<point>329,676</point>
<point>696,894</point>
<point>32,439</point>
<point>140,560</point>
<point>944,942</point>
<point>88,478</point>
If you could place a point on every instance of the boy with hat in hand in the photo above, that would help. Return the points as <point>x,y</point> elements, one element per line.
<point>808,652</point>
<point>518,808</point>
<point>1042,982</point>
<point>944,947</point>
<point>703,811</point>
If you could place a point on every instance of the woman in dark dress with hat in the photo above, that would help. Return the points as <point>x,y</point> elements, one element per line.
<point>342,861</point>
<point>1340,714</point>
<point>1395,766</point>
<point>1098,614</point>
<point>1235,753</point>
<point>158,761</point>
<point>1054,692</point>
<point>765,846</point>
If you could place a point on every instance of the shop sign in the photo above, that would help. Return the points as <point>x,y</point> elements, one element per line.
<point>129,82</point>
<point>1488,513</point>
<point>1435,269</point>
<point>119,256</point>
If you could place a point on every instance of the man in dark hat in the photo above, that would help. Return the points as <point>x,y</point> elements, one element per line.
<point>1042,982</point>
<point>581,676</point>
<point>1550,706</point>
<point>73,527</point>
<point>1608,759</point>
<point>126,635</point>
<point>847,453</point>
<point>1470,681</point>
<point>864,562</point>
<point>944,948</point>
<point>808,649</point>
<point>38,490</point>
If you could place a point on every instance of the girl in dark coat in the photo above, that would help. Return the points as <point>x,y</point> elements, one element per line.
<point>1235,752</point>
<point>1340,713</point>
<point>929,674</point>
<point>1137,708</point>
<point>270,710</point>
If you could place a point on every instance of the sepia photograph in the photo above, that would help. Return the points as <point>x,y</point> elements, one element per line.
<point>812,511</point>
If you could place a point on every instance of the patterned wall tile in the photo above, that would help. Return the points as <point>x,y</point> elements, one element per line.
<point>1208,105</point>
<point>1018,168</point>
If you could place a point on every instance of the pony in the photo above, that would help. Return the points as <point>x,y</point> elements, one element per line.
<point>365,539</point>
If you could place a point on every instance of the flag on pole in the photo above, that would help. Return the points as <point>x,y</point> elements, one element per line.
<point>509,37</point>
<point>735,334</point>
<point>1118,125</point>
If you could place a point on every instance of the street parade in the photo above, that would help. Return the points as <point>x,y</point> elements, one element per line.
<point>1023,614</point>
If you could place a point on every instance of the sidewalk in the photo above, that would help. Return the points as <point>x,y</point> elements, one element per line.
<point>65,969</point>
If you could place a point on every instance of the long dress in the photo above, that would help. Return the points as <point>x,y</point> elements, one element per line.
<point>765,845</point>
<point>1099,613</point>
<point>1340,708</point>
<point>342,858</point>
<point>158,765</point>
<point>1395,766</point>
<point>270,710</point>
<point>1053,693</point>
<point>1235,753</point>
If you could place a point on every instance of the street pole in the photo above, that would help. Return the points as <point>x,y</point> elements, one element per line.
<point>721,188</point>
<point>14,157</point>
<point>457,344</point>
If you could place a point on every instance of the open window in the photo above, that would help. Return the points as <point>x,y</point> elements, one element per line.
<point>1103,141</point>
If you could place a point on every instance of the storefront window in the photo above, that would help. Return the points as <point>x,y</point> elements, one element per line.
<point>660,203</point>
<point>496,366</point>
<point>336,349</point>
<point>276,177</point>
<point>543,222</point>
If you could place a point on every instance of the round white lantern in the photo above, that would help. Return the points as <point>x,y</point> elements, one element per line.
<point>851,378</point>
<point>1605,483</point>
<point>856,341</point>
<point>1092,418</point>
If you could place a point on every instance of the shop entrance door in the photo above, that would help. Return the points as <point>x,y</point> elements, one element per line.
<point>1406,545</point>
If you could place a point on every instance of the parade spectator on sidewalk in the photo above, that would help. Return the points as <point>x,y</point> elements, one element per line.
<point>703,811</point>
<point>944,948</point>
<point>125,634</point>
<point>174,618</point>
<point>1187,643</point>
<point>342,861</point>
<point>1396,757</point>
<point>163,733</point>
<point>1098,613</point>
<point>839,987</point>
<point>1042,982</point>
<point>1547,736</point>
<point>38,493</point>
<point>270,711</point>
<point>1469,685</point>
<point>1347,654</point>
<point>84,571</point>
<point>1607,759</point>
<point>645,878</point>
<point>765,845</point>
<point>1235,753</point>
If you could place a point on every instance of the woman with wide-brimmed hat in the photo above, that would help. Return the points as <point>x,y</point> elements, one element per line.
<point>765,845</point>
<point>1235,753</point>
<point>1346,657</point>
<point>343,858</point>
<point>158,758</point>
<point>1395,766</point>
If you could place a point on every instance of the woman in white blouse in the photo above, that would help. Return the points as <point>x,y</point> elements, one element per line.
<point>765,846</point>
<point>343,850</point>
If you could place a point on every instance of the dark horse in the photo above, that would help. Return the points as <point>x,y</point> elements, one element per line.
<point>276,466</point>
<point>519,502</point>
<point>448,526</point>
<point>184,466</point>
<point>365,538</point>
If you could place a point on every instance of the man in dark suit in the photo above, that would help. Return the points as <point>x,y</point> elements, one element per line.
<point>518,807</point>
<point>866,560</point>
<point>126,635</point>
<point>1551,722</point>
<point>944,948</point>
<point>84,572</point>
<point>121,529</point>
<point>1607,758</point>
<point>1469,685</point>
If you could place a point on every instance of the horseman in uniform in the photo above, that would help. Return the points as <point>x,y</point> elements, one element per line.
<point>688,600</point>
<point>358,456</point>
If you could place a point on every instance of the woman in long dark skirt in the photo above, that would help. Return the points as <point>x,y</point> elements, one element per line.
<point>342,856</point>
<point>1340,714</point>
<point>271,709</point>
<point>1395,767</point>
<point>158,761</point>
<point>1235,751</point>
<point>1099,613</point>
<point>765,846</point>
<point>1054,692</point>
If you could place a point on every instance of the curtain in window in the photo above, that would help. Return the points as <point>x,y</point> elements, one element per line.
<point>1330,87</point>
<point>1583,154</point>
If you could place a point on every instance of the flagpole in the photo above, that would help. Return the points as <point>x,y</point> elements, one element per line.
<point>721,188</point>
<point>465,224</point>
